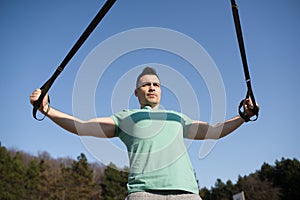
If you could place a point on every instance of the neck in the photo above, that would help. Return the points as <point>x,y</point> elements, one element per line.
<point>152,106</point>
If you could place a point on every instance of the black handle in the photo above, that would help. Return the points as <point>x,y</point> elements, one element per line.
<point>244,115</point>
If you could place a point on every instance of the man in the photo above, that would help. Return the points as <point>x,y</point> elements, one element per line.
<point>160,167</point>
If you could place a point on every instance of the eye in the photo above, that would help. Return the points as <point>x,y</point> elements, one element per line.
<point>156,84</point>
<point>146,84</point>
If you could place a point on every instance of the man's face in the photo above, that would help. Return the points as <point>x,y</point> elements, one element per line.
<point>148,91</point>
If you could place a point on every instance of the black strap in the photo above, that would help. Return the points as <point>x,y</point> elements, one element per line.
<point>239,34</point>
<point>45,88</point>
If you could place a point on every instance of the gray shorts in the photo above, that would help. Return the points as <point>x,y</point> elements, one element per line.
<point>162,195</point>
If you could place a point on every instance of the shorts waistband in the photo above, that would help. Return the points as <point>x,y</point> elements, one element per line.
<point>169,192</point>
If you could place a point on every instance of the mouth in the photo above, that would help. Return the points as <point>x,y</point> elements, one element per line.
<point>151,96</point>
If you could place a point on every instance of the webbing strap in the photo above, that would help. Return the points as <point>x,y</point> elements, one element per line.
<point>45,88</point>
<point>239,34</point>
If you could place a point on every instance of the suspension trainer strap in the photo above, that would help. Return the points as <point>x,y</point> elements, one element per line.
<point>239,34</point>
<point>45,88</point>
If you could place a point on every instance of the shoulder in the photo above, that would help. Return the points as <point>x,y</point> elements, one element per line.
<point>182,116</point>
<point>123,115</point>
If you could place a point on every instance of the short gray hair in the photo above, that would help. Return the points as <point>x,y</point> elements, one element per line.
<point>146,71</point>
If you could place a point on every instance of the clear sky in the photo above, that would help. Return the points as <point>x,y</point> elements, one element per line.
<point>36,35</point>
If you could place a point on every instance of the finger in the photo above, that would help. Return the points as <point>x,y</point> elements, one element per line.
<point>34,95</point>
<point>37,91</point>
<point>250,106</point>
<point>249,103</point>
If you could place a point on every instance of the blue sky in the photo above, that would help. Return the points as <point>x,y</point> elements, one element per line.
<point>36,36</point>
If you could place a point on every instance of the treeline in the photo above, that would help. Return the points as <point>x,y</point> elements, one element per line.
<point>23,176</point>
<point>271,182</point>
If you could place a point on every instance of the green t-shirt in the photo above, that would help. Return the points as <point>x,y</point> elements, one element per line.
<point>157,153</point>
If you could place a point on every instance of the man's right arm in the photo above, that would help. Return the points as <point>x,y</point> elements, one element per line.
<point>97,127</point>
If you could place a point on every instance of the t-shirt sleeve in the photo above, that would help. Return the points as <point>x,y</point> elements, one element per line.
<point>117,118</point>
<point>116,121</point>
<point>187,121</point>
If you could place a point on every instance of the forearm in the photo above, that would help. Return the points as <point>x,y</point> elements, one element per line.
<point>63,120</point>
<point>97,127</point>
<point>222,129</point>
<point>201,130</point>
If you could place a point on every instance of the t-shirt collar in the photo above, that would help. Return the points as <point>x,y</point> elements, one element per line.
<point>147,108</point>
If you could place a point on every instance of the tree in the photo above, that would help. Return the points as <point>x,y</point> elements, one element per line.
<point>5,172</point>
<point>222,191</point>
<point>257,189</point>
<point>16,177</point>
<point>78,180</point>
<point>23,176</point>
<point>83,177</point>
<point>285,175</point>
<point>205,193</point>
<point>32,179</point>
<point>46,180</point>
<point>114,183</point>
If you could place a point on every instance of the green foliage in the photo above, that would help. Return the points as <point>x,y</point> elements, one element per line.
<point>257,189</point>
<point>205,193</point>
<point>222,191</point>
<point>114,183</point>
<point>12,175</point>
<point>36,178</point>
<point>281,181</point>
<point>284,175</point>
<point>26,177</point>
<point>77,182</point>
<point>32,178</point>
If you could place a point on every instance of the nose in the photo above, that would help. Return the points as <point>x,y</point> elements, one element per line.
<point>151,87</point>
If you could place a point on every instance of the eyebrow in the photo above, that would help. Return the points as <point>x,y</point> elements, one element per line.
<point>149,83</point>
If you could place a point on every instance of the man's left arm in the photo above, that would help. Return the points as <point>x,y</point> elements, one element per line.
<point>200,130</point>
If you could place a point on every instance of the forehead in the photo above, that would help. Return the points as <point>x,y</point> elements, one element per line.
<point>149,78</point>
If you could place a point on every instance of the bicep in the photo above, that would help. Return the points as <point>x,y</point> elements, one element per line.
<point>197,130</point>
<point>98,127</point>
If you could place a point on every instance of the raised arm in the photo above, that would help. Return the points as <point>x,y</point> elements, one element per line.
<point>201,130</point>
<point>97,127</point>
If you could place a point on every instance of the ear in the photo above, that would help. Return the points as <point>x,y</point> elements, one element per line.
<point>135,92</point>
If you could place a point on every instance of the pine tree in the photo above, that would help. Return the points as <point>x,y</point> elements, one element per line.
<point>5,172</point>
<point>221,191</point>
<point>205,193</point>
<point>45,180</point>
<point>114,183</point>
<point>32,179</point>
<point>83,178</point>
<point>16,177</point>
<point>77,180</point>
<point>285,175</point>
